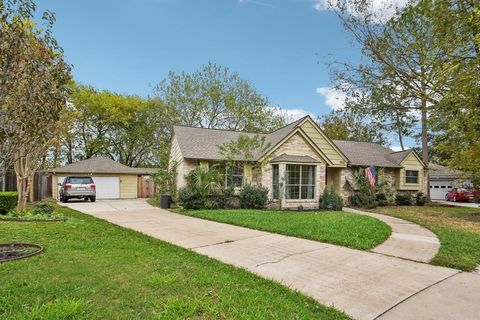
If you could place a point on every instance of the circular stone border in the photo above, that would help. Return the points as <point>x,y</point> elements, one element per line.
<point>39,250</point>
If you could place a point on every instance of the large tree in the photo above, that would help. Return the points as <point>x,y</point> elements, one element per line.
<point>401,62</point>
<point>215,97</point>
<point>34,95</point>
<point>347,125</point>
<point>457,119</point>
<point>127,128</point>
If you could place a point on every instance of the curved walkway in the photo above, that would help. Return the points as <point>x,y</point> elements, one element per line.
<point>408,240</point>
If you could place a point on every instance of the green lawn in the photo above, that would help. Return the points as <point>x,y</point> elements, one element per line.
<point>457,228</point>
<point>92,269</point>
<point>337,227</point>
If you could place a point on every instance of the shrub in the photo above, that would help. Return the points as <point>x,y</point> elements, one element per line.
<point>8,201</point>
<point>252,197</point>
<point>191,199</point>
<point>42,208</point>
<point>221,200</point>
<point>403,199</point>
<point>420,199</point>
<point>385,191</point>
<point>330,200</point>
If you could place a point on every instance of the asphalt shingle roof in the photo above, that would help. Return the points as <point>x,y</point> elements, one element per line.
<point>100,165</point>
<point>438,172</point>
<point>202,143</point>
<point>367,153</point>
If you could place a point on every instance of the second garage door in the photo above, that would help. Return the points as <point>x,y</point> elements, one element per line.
<point>107,187</point>
<point>439,188</point>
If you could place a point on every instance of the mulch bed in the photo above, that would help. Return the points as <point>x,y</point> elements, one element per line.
<point>15,251</point>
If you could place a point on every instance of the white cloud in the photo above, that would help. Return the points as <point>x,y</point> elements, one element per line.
<point>334,98</point>
<point>397,148</point>
<point>382,10</point>
<point>295,114</point>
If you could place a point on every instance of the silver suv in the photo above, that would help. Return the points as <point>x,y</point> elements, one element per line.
<point>76,187</point>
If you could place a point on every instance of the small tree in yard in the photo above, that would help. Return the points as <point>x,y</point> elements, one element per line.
<point>34,97</point>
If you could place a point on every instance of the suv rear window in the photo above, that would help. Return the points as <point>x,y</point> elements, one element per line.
<point>79,180</point>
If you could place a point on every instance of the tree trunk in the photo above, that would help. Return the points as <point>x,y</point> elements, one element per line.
<point>425,156</point>
<point>21,167</point>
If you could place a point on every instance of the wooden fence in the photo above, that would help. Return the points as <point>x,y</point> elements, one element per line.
<point>41,187</point>
<point>145,188</point>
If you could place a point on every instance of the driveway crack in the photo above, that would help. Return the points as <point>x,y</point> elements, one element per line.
<point>287,256</point>
<point>414,294</point>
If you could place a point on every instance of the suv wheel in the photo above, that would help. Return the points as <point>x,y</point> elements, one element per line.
<point>63,199</point>
<point>92,199</point>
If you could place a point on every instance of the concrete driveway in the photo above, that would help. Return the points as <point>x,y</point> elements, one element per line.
<point>365,285</point>
<point>458,204</point>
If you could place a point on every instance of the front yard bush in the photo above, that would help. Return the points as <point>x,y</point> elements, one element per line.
<point>330,200</point>
<point>420,199</point>
<point>221,200</point>
<point>43,208</point>
<point>191,199</point>
<point>8,201</point>
<point>403,199</point>
<point>253,197</point>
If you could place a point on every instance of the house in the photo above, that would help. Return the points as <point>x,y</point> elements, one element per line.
<point>113,180</point>
<point>299,162</point>
<point>443,179</point>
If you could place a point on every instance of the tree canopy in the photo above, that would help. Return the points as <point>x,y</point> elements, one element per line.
<point>33,82</point>
<point>215,97</point>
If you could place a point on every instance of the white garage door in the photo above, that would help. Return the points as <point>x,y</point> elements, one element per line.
<point>439,188</point>
<point>107,187</point>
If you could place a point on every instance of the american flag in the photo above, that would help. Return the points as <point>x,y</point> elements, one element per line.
<point>371,175</point>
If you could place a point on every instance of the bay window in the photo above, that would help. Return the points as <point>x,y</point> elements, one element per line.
<point>300,181</point>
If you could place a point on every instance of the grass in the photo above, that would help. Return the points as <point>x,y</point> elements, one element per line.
<point>92,269</point>
<point>337,227</point>
<point>458,229</point>
<point>44,210</point>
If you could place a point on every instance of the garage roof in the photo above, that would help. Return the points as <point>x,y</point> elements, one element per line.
<point>101,165</point>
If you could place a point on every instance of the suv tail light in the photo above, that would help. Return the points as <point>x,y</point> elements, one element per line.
<point>68,186</point>
<point>92,186</point>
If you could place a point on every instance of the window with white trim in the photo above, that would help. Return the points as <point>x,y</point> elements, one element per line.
<point>300,181</point>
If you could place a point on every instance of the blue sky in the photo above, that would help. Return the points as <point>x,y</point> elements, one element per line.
<point>280,46</point>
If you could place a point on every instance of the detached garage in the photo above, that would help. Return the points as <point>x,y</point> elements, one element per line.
<point>113,180</point>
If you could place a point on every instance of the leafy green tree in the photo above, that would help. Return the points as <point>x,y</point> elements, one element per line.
<point>130,129</point>
<point>401,60</point>
<point>347,125</point>
<point>215,97</point>
<point>34,89</point>
<point>456,121</point>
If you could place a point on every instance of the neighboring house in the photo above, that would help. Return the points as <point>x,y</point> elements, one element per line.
<point>443,180</point>
<point>112,179</point>
<point>299,162</point>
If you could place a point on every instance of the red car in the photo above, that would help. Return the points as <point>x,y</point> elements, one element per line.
<point>462,194</point>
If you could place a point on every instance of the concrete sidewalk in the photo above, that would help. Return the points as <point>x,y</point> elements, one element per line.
<point>408,240</point>
<point>365,285</point>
